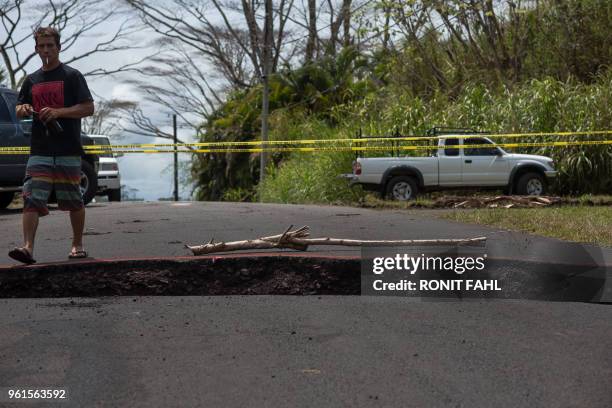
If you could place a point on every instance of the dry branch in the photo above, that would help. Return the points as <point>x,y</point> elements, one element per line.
<point>496,202</point>
<point>299,240</point>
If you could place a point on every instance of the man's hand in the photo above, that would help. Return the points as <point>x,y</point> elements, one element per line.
<point>47,114</point>
<point>24,110</point>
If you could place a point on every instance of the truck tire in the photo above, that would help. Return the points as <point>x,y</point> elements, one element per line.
<point>89,182</point>
<point>401,188</point>
<point>531,184</point>
<point>6,198</point>
<point>114,195</point>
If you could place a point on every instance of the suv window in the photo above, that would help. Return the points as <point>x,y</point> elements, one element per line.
<point>478,151</point>
<point>451,152</point>
<point>5,115</point>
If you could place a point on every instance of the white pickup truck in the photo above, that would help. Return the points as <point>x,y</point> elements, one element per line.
<point>402,178</point>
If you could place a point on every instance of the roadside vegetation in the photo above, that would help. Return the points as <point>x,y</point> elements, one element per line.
<point>572,223</point>
<point>546,70</point>
<point>475,199</point>
<point>586,218</point>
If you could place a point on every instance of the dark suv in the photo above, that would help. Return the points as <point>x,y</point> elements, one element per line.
<point>17,133</point>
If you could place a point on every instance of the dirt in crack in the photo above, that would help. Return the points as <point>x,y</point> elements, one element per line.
<point>232,276</point>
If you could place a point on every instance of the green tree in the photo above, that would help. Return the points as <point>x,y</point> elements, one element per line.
<point>315,89</point>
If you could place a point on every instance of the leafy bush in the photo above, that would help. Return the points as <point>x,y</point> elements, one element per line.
<point>310,178</point>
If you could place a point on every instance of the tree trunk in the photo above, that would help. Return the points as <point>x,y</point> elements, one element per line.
<point>346,13</point>
<point>312,31</point>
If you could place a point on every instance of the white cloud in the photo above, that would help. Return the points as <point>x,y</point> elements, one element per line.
<point>123,92</point>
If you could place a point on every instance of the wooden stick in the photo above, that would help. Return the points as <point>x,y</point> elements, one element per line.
<point>400,242</point>
<point>298,240</point>
<point>302,232</point>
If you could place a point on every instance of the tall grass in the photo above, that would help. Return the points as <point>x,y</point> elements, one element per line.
<point>310,179</point>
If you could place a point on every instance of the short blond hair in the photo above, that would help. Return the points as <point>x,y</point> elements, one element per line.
<point>47,32</point>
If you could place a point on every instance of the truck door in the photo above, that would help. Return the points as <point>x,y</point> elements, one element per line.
<point>483,166</point>
<point>12,166</point>
<point>449,162</point>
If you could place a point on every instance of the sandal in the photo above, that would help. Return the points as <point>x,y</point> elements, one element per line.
<point>22,255</point>
<point>77,254</point>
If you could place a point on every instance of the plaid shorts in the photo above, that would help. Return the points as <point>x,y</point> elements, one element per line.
<point>45,174</point>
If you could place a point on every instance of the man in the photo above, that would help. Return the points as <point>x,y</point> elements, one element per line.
<point>54,94</point>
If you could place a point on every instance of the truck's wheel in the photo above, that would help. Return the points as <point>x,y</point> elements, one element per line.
<point>114,195</point>
<point>89,182</point>
<point>402,188</point>
<point>6,198</point>
<point>531,184</point>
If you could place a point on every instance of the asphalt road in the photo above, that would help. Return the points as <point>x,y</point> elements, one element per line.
<point>136,230</point>
<point>266,351</point>
<point>296,351</point>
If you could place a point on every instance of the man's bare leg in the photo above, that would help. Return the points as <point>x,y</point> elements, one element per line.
<point>30,225</point>
<point>77,220</point>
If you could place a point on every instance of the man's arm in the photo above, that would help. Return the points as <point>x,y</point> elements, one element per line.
<point>24,100</point>
<point>77,111</point>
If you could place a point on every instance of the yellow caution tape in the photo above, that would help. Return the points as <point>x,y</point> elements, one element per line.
<point>324,141</point>
<point>339,148</point>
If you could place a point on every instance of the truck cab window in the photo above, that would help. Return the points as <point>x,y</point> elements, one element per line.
<point>479,151</point>
<point>452,151</point>
<point>105,142</point>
